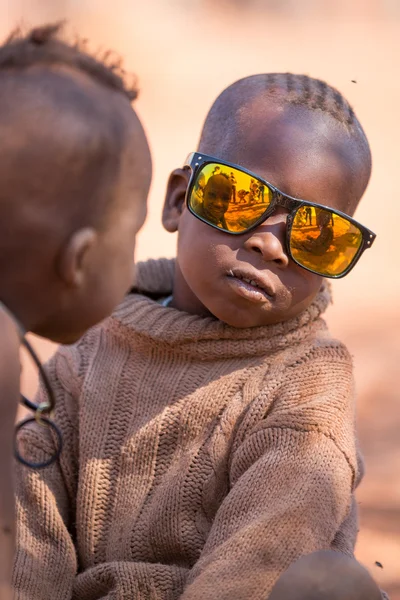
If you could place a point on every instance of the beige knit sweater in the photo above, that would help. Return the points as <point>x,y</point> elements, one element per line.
<point>199,460</point>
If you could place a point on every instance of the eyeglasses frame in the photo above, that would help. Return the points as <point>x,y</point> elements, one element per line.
<point>197,161</point>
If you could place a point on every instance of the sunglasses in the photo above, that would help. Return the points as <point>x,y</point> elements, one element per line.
<point>234,200</point>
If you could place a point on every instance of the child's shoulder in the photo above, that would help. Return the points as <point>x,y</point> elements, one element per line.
<point>317,346</point>
<point>322,347</point>
<point>309,391</point>
<point>317,386</point>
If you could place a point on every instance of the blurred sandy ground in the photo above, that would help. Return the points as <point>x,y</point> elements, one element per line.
<point>184,53</point>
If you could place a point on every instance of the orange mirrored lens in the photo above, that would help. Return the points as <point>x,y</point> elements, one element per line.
<point>323,241</point>
<point>228,198</point>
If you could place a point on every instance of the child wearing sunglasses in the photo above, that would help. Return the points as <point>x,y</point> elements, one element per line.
<point>208,425</point>
<point>75,172</point>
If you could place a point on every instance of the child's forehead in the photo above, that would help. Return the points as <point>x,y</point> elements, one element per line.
<point>304,152</point>
<point>218,180</point>
<point>275,128</point>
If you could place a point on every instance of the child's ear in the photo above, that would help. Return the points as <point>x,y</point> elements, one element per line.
<point>175,199</point>
<point>73,261</point>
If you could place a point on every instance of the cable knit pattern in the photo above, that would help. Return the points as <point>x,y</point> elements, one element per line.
<point>199,460</point>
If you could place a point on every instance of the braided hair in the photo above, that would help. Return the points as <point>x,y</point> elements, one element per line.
<point>282,89</point>
<point>311,93</point>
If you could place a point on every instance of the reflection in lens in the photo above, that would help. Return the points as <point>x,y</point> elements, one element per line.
<point>228,198</point>
<point>323,241</point>
<point>216,198</point>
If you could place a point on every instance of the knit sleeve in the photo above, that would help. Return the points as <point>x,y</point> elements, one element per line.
<point>291,481</point>
<point>45,565</point>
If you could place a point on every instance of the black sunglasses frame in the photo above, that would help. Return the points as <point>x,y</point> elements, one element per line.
<point>196,161</point>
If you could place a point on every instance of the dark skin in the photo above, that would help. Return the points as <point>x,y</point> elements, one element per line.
<point>82,258</point>
<point>305,154</point>
<point>328,575</point>
<point>74,180</point>
<point>9,389</point>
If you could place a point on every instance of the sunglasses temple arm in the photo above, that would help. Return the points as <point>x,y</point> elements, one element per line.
<point>189,160</point>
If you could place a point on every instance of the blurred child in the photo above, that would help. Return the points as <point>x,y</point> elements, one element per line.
<point>209,424</point>
<point>326,575</point>
<point>74,177</point>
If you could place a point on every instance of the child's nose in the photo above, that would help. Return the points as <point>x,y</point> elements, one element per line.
<point>270,244</point>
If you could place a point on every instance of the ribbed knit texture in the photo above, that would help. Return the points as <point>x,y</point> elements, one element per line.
<point>199,460</point>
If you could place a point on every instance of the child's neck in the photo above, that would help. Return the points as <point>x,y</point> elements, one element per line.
<point>19,326</point>
<point>22,305</point>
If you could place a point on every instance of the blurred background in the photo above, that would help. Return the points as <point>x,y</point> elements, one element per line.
<point>184,52</point>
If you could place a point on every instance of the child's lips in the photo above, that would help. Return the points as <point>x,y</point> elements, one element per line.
<point>248,291</point>
<point>251,286</point>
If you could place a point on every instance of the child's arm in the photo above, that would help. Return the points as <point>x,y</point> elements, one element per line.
<point>9,398</point>
<point>46,564</point>
<point>292,475</point>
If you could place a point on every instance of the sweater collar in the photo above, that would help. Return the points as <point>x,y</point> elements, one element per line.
<point>206,337</point>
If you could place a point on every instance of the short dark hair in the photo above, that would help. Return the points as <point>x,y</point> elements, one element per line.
<point>283,89</point>
<point>312,93</point>
<point>45,46</point>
